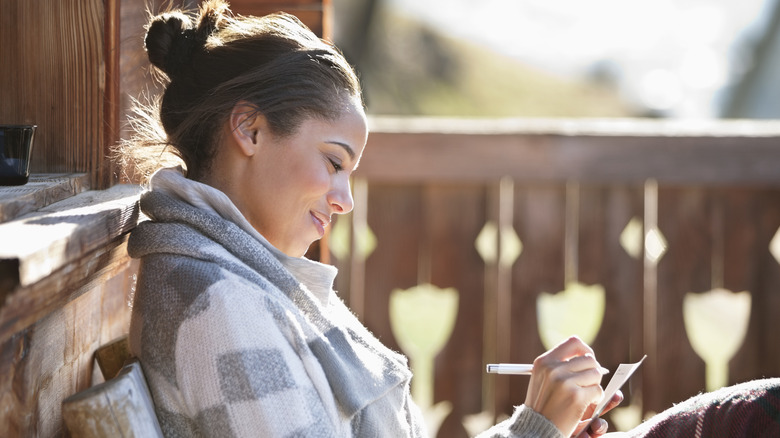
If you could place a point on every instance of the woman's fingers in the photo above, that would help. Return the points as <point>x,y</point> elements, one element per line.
<point>571,347</point>
<point>581,370</point>
<point>573,354</point>
<point>588,429</point>
<point>565,382</point>
<point>617,399</point>
<point>588,365</point>
<point>597,427</point>
<point>566,386</point>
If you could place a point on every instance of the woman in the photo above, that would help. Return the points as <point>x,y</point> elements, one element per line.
<point>238,334</point>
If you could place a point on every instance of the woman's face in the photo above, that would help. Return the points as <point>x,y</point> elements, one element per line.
<point>298,182</point>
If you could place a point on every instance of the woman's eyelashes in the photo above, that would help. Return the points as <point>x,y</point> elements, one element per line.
<point>336,164</point>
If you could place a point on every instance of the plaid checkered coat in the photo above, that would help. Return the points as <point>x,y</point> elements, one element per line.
<point>237,339</point>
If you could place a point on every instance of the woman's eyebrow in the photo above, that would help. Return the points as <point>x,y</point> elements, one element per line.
<point>345,146</point>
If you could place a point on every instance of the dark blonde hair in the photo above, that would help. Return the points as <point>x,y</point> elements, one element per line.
<point>212,60</point>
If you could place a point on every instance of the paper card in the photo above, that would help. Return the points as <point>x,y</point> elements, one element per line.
<point>621,376</point>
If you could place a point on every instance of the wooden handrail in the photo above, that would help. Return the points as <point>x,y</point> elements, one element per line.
<point>585,150</point>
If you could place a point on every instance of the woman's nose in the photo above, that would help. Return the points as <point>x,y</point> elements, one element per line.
<point>340,197</point>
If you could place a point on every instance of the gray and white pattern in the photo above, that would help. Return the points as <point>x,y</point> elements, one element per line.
<point>239,340</point>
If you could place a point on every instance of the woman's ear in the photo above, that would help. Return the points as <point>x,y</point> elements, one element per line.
<point>247,126</point>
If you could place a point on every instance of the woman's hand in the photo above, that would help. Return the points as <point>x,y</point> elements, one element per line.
<point>565,384</point>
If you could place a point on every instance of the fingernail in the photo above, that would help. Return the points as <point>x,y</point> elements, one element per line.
<point>598,427</point>
<point>603,370</point>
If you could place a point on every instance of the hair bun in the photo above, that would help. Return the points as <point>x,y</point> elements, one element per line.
<point>172,37</point>
<point>169,42</point>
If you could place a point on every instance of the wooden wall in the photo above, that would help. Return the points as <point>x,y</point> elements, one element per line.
<point>53,75</point>
<point>52,358</point>
<point>71,67</point>
<point>63,71</point>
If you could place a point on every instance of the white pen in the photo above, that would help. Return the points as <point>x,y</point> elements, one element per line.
<point>520,368</point>
<point>510,368</point>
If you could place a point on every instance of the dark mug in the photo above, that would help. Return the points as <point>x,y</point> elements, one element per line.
<point>15,146</point>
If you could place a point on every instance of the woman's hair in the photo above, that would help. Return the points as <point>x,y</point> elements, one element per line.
<point>212,60</point>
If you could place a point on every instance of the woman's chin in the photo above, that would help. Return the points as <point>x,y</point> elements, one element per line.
<point>302,250</point>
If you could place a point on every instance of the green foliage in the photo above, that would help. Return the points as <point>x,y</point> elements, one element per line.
<point>410,70</point>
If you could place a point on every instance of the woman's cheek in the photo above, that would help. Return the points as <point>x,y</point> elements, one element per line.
<point>320,182</point>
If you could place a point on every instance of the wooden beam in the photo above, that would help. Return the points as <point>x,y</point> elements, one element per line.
<point>614,151</point>
<point>105,172</point>
<point>41,190</point>
<point>25,305</point>
<point>41,243</point>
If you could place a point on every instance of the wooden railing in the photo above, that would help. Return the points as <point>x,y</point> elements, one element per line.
<point>587,201</point>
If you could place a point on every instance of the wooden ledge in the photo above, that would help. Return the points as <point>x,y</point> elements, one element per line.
<point>50,256</point>
<point>38,244</point>
<point>40,191</point>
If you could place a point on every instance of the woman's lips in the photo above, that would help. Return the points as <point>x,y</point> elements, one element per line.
<point>321,222</point>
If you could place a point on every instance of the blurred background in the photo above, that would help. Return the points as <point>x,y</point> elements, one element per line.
<point>567,58</point>
<point>541,168</point>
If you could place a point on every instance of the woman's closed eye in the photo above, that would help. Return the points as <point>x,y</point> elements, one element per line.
<point>336,164</point>
<point>340,154</point>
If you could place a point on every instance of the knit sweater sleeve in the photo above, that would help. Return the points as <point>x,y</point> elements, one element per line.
<point>243,370</point>
<point>524,423</point>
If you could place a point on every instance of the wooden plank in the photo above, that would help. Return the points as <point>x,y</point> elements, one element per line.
<point>684,218</point>
<point>40,243</point>
<point>395,218</point>
<point>26,305</point>
<point>454,216</point>
<point>752,218</point>
<point>342,261</point>
<point>586,151</point>
<point>60,87</point>
<point>738,262</point>
<point>765,324</point>
<point>122,406</point>
<point>52,357</point>
<point>540,224</point>
<point>41,191</point>
<point>113,356</point>
<point>105,169</point>
<point>604,212</point>
<point>495,319</point>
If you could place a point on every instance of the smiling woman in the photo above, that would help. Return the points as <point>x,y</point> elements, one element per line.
<point>288,187</point>
<point>238,334</point>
